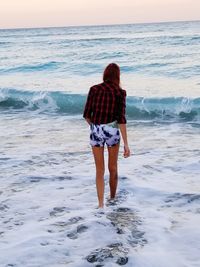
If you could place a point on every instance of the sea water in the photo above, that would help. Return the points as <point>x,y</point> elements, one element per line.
<point>47,173</point>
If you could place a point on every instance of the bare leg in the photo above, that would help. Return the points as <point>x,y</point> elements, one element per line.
<point>98,153</point>
<point>112,166</point>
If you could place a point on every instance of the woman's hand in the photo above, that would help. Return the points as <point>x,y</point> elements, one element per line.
<point>88,121</point>
<point>126,151</point>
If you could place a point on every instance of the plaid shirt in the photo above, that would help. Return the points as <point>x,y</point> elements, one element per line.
<point>105,103</point>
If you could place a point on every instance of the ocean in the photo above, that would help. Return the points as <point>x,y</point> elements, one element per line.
<point>48,199</point>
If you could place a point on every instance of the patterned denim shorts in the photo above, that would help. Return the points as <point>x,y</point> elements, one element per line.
<point>104,133</point>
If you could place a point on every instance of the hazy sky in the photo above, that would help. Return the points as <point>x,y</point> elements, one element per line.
<point>42,13</point>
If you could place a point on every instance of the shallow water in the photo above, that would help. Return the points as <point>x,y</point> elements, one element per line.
<point>48,196</point>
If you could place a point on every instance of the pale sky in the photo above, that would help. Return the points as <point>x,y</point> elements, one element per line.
<point>47,13</point>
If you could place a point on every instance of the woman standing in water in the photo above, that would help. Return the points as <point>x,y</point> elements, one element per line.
<point>105,113</point>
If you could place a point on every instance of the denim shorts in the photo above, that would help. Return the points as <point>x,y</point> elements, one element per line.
<point>104,133</point>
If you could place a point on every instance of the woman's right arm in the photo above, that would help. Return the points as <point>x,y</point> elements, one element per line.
<point>123,131</point>
<point>122,122</point>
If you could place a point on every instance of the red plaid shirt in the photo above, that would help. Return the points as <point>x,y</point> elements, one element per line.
<point>105,103</point>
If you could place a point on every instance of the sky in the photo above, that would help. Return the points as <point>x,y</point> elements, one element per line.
<point>53,13</point>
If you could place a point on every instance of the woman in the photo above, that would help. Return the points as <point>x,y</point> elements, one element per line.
<point>105,113</point>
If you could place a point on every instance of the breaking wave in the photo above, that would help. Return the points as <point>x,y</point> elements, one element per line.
<point>172,109</point>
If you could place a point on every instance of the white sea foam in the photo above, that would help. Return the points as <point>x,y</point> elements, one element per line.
<point>48,197</point>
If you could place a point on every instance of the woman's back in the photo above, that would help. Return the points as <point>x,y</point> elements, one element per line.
<point>106,103</point>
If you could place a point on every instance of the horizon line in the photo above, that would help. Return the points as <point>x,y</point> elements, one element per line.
<point>96,25</point>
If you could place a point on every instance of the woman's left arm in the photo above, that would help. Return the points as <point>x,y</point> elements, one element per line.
<point>88,107</point>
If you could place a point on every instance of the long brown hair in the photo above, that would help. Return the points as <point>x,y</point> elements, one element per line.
<point>112,74</point>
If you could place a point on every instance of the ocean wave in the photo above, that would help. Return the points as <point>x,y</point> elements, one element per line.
<point>171,109</point>
<point>196,37</point>
<point>5,43</point>
<point>31,68</point>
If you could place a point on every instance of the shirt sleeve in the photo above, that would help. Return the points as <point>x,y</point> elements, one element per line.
<point>121,118</point>
<point>88,106</point>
